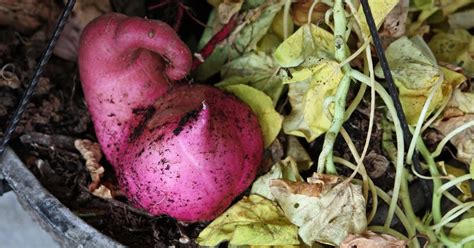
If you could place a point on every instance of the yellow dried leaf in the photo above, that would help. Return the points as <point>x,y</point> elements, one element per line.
<point>456,47</point>
<point>380,9</point>
<point>307,41</point>
<point>309,89</point>
<point>416,74</point>
<point>284,169</point>
<point>254,220</point>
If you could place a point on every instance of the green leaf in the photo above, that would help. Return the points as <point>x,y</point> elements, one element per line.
<point>455,47</point>
<point>463,229</point>
<point>255,69</point>
<point>242,40</point>
<point>309,89</point>
<point>307,41</point>
<point>380,9</point>
<point>284,169</point>
<point>253,220</point>
<point>326,209</point>
<point>262,105</point>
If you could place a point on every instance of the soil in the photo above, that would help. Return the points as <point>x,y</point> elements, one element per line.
<point>57,115</point>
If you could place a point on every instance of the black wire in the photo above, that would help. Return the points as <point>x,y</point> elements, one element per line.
<point>391,87</point>
<point>36,75</point>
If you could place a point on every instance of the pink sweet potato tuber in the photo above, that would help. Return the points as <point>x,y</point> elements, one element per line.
<point>182,150</point>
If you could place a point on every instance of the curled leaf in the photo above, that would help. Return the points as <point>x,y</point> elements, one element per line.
<point>370,239</point>
<point>416,75</point>
<point>285,169</point>
<point>307,41</point>
<point>309,90</point>
<point>459,111</point>
<point>91,152</point>
<point>326,209</point>
<point>254,220</point>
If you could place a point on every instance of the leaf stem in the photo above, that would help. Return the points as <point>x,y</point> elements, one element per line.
<point>325,160</point>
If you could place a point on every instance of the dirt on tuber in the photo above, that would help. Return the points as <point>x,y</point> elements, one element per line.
<point>177,149</point>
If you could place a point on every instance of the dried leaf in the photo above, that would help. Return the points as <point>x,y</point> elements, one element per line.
<point>300,11</point>
<point>253,220</point>
<point>459,111</point>
<point>380,9</point>
<point>261,104</point>
<point>227,9</point>
<point>285,169</point>
<point>370,239</point>
<point>91,152</point>
<point>395,22</point>
<point>309,88</point>
<point>83,13</point>
<point>456,47</point>
<point>454,172</point>
<point>103,192</point>
<point>27,15</point>
<point>464,141</point>
<point>415,75</point>
<point>308,41</point>
<point>326,209</point>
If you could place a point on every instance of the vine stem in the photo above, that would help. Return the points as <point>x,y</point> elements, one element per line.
<point>325,160</point>
<point>400,144</point>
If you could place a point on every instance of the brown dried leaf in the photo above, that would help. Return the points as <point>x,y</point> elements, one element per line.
<point>91,152</point>
<point>27,15</point>
<point>301,8</point>
<point>103,192</point>
<point>395,23</point>
<point>326,209</point>
<point>459,112</point>
<point>227,9</point>
<point>370,239</point>
<point>464,141</point>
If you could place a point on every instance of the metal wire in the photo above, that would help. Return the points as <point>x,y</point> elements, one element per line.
<point>36,75</point>
<point>391,86</point>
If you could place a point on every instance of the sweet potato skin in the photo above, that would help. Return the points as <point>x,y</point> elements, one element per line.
<point>199,151</point>
<point>182,150</point>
